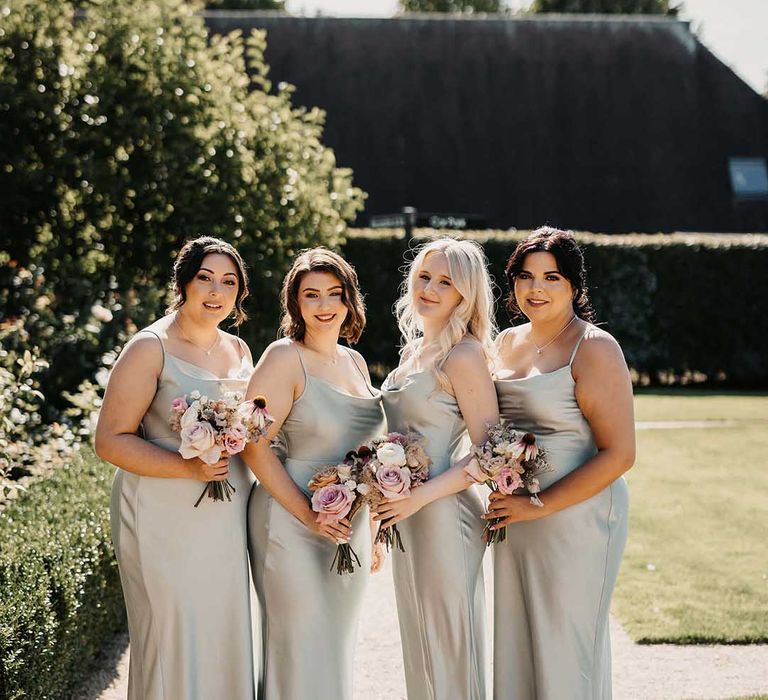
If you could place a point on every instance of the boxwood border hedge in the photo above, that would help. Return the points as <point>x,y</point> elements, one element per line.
<point>686,307</point>
<point>60,594</point>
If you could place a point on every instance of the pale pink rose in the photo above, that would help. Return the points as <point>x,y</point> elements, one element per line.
<point>332,502</point>
<point>508,480</point>
<point>394,482</point>
<point>179,405</point>
<point>198,439</point>
<point>473,470</point>
<point>235,438</point>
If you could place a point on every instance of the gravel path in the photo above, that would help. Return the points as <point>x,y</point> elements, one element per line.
<point>658,672</point>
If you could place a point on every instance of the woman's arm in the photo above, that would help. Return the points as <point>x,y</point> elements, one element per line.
<point>130,390</point>
<point>279,378</point>
<point>476,396</point>
<point>604,395</point>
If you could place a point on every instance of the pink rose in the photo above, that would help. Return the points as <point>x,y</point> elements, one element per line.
<point>235,439</point>
<point>474,471</point>
<point>179,405</point>
<point>394,482</point>
<point>332,502</point>
<point>199,440</point>
<point>508,480</point>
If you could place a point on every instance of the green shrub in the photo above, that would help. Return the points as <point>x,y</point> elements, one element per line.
<point>685,307</point>
<point>122,133</point>
<point>61,598</point>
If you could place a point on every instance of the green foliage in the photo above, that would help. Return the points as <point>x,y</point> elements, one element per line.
<point>61,599</point>
<point>245,4</point>
<point>662,297</point>
<point>608,7</point>
<point>468,6</point>
<point>122,134</point>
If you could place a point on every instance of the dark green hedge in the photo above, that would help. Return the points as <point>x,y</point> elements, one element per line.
<point>60,595</point>
<point>685,307</point>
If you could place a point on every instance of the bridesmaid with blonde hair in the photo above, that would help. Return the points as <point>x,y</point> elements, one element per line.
<point>443,390</point>
<point>321,397</point>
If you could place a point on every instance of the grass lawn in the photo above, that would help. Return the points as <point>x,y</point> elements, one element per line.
<point>696,564</point>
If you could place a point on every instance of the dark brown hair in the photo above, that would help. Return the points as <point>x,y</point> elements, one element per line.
<point>570,264</point>
<point>321,260</point>
<point>188,263</point>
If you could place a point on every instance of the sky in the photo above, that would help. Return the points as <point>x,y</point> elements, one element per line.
<point>736,31</point>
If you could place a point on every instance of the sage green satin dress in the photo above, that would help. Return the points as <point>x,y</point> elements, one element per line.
<point>439,577</point>
<point>553,577</point>
<point>309,613</point>
<point>184,570</point>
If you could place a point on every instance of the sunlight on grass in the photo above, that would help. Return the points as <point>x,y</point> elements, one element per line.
<point>696,564</point>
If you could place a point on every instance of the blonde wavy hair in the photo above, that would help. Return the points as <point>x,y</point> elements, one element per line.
<point>473,316</point>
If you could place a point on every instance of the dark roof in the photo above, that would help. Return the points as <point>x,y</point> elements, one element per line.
<point>596,122</point>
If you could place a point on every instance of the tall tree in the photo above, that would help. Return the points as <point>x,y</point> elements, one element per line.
<point>609,7</point>
<point>468,6</point>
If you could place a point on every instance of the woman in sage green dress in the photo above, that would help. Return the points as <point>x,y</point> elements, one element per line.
<point>321,398</point>
<point>565,381</point>
<point>184,570</point>
<point>443,390</point>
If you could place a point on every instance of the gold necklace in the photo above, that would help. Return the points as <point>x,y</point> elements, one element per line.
<point>540,350</point>
<point>189,340</point>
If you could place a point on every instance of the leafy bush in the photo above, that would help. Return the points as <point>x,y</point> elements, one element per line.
<point>122,133</point>
<point>61,597</point>
<point>245,4</point>
<point>685,307</point>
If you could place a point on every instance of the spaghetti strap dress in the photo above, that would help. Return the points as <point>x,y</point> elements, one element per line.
<point>184,570</point>
<point>309,613</point>
<point>553,577</point>
<point>439,578</point>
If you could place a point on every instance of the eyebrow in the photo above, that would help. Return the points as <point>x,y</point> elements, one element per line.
<point>445,277</point>
<point>548,272</point>
<point>207,269</point>
<point>313,289</point>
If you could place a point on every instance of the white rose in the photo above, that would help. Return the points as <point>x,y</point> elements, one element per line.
<point>390,454</point>
<point>189,417</point>
<point>350,484</point>
<point>364,489</point>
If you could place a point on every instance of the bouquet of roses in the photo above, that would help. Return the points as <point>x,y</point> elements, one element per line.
<point>393,464</point>
<point>212,427</point>
<point>508,460</point>
<point>337,492</point>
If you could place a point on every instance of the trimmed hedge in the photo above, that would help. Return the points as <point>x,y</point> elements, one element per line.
<point>685,307</point>
<point>60,595</point>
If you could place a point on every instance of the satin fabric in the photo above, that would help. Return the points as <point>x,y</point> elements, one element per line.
<point>439,578</point>
<point>184,570</point>
<point>553,577</point>
<point>310,614</point>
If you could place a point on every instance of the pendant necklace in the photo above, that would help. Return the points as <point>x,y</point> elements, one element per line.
<point>189,340</point>
<point>540,350</point>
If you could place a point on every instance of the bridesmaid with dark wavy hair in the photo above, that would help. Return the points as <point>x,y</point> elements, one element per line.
<point>566,381</point>
<point>184,570</point>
